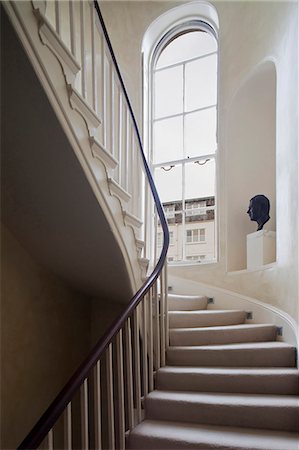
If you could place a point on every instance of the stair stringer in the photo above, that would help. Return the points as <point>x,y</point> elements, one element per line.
<point>54,75</point>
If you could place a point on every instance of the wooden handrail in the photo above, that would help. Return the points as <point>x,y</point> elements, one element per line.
<point>53,412</point>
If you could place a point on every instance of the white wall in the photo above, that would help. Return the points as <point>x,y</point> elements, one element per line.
<point>251,158</point>
<point>250,32</point>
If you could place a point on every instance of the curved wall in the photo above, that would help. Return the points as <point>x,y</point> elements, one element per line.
<point>249,33</point>
<point>251,158</point>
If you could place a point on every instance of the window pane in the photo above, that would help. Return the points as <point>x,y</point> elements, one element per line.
<point>200,180</point>
<point>187,46</point>
<point>168,140</point>
<point>169,183</point>
<point>201,83</point>
<point>200,133</point>
<point>168,92</point>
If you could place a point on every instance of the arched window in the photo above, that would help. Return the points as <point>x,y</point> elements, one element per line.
<point>183,130</point>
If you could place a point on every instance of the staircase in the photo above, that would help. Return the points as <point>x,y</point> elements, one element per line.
<point>221,382</point>
<point>227,384</point>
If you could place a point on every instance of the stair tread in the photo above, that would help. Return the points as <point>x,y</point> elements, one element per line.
<point>218,399</point>
<point>242,326</point>
<point>208,312</point>
<point>186,297</point>
<point>231,370</point>
<point>180,435</point>
<point>238,346</point>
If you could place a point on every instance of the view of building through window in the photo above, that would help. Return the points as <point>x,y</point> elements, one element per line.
<point>184,142</point>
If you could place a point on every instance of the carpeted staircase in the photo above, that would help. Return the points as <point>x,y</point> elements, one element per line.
<point>227,385</point>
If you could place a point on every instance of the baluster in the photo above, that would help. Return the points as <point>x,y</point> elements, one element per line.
<point>57,17</point>
<point>130,164</point>
<point>144,346</point>
<point>97,406</point>
<point>135,171</point>
<point>103,92</point>
<point>120,126</point>
<point>155,234</point>
<point>162,320</point>
<point>157,328</point>
<point>137,384</point>
<point>108,78</point>
<point>129,373</point>
<point>120,388</point>
<point>166,307</point>
<point>110,400</point>
<point>82,36</point>
<point>126,148</point>
<point>72,27</point>
<point>93,58</point>
<point>112,121</point>
<point>68,427</point>
<point>50,440</point>
<point>150,345</point>
<point>117,134</point>
<point>84,414</point>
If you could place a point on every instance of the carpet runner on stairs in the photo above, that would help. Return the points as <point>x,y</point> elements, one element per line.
<point>227,384</point>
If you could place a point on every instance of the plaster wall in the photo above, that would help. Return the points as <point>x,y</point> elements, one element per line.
<point>250,33</point>
<point>45,325</point>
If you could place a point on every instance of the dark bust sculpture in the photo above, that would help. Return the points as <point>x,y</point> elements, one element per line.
<point>258,210</point>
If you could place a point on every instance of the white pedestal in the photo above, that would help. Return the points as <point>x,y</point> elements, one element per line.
<point>261,248</point>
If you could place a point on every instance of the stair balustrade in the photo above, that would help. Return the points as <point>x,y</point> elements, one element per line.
<point>103,399</point>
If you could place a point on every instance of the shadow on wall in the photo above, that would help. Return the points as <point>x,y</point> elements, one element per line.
<point>251,158</point>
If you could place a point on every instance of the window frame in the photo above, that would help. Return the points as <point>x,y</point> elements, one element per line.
<point>182,28</point>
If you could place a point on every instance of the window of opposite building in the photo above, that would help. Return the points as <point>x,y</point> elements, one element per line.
<point>184,143</point>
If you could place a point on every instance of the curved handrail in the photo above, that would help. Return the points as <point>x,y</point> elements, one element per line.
<point>53,412</point>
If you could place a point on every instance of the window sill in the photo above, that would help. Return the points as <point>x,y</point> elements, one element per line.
<point>191,263</point>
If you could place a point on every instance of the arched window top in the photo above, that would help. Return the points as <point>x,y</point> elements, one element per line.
<point>191,44</point>
<point>190,15</point>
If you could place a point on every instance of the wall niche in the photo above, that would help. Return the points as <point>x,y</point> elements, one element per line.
<point>251,158</point>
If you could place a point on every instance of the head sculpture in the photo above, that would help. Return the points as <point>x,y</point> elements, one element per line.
<point>258,210</point>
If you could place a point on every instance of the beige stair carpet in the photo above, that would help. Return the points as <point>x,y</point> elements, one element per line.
<point>227,384</point>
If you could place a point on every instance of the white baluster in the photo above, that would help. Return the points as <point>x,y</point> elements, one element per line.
<point>144,346</point>
<point>150,343</point>
<point>137,383</point>
<point>84,415</point>
<point>97,406</point>
<point>162,317</point>
<point>50,440</point>
<point>93,58</point>
<point>103,93</point>
<point>82,42</point>
<point>68,427</point>
<point>129,373</point>
<point>126,148</point>
<point>110,399</point>
<point>120,389</point>
<point>166,306</point>
<point>157,328</point>
<point>57,17</point>
<point>113,125</point>
<point>72,27</point>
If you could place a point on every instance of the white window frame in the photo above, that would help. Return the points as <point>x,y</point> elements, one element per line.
<point>183,18</point>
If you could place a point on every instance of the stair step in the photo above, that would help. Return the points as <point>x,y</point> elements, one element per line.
<point>222,335</point>
<point>259,354</point>
<point>272,412</point>
<point>151,434</point>
<point>279,381</point>
<point>186,302</point>
<point>205,318</point>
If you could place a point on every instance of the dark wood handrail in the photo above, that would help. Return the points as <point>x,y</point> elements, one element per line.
<point>56,408</point>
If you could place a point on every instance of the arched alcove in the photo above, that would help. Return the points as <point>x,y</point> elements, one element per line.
<point>251,161</point>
